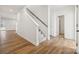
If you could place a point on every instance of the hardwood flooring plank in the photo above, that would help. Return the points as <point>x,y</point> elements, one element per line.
<point>14,44</point>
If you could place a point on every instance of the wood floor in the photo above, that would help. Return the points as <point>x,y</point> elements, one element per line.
<point>11,43</point>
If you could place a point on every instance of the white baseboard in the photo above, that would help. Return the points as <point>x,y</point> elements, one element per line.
<point>77,50</point>
<point>43,39</point>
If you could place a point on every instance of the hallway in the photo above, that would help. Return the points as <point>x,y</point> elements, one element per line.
<point>10,42</point>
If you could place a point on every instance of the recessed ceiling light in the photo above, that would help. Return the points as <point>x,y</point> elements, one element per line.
<point>11,10</point>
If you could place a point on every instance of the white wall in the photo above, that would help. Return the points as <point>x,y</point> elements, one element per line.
<point>77,22</point>
<point>9,15</point>
<point>0,21</point>
<point>68,12</point>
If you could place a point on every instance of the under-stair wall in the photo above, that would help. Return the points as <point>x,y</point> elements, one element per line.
<point>26,28</point>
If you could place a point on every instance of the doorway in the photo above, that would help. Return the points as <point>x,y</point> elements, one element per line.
<point>61,26</point>
<point>2,24</point>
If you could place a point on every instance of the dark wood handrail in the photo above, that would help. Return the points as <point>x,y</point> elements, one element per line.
<point>37,17</point>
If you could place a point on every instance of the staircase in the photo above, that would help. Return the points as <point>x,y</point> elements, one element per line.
<point>35,31</point>
<point>42,29</point>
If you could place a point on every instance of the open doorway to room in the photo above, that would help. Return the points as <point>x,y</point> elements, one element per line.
<point>61,26</point>
<point>2,24</point>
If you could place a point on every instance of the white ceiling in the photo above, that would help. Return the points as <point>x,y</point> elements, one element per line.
<point>60,6</point>
<point>8,10</point>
